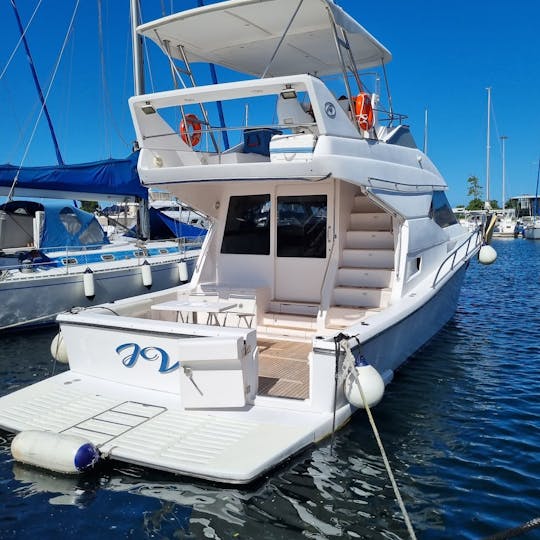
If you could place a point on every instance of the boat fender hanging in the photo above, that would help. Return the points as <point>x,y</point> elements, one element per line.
<point>363,111</point>
<point>88,284</point>
<point>146,272</point>
<point>371,381</point>
<point>58,452</point>
<point>190,130</point>
<point>59,349</point>
<point>183,271</point>
<point>487,254</point>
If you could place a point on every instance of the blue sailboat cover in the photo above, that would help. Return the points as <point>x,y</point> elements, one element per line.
<point>110,176</point>
<point>64,225</point>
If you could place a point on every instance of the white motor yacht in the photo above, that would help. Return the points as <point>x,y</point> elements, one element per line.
<point>332,257</point>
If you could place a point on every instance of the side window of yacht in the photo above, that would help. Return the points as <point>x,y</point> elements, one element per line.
<point>70,221</point>
<point>441,211</point>
<point>301,226</point>
<point>92,235</point>
<point>247,229</point>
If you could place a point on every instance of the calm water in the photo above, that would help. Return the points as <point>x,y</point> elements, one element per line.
<point>460,424</point>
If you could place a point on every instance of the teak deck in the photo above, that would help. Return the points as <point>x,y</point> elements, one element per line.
<point>284,369</point>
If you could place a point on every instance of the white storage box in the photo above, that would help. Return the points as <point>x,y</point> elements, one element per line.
<point>296,147</point>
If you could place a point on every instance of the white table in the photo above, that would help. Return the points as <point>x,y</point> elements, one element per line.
<point>212,307</point>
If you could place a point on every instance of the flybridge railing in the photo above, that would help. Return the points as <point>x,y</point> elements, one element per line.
<point>237,133</point>
<point>463,252</point>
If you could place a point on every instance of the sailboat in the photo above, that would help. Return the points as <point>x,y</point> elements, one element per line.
<point>55,257</point>
<point>334,255</point>
<point>532,228</point>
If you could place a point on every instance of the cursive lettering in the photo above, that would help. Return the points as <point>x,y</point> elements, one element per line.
<point>134,352</point>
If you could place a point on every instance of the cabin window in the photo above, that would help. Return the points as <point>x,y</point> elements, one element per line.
<point>107,257</point>
<point>92,235</point>
<point>69,261</point>
<point>247,229</point>
<point>301,226</point>
<point>70,221</point>
<point>441,211</point>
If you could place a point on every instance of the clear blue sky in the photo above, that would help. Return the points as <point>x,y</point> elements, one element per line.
<point>445,54</point>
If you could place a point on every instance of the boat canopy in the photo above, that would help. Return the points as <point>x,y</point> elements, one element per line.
<point>163,227</point>
<point>243,35</point>
<point>111,177</point>
<point>64,225</point>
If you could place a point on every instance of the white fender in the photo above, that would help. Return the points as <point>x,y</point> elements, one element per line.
<point>183,271</point>
<point>372,385</point>
<point>487,254</point>
<point>59,349</point>
<point>68,454</point>
<point>88,284</point>
<point>146,272</point>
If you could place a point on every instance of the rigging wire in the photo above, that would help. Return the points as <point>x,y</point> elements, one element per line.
<point>108,110</point>
<point>27,148</point>
<point>104,89</point>
<point>23,35</point>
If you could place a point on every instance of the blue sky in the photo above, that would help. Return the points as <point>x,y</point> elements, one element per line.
<point>445,54</point>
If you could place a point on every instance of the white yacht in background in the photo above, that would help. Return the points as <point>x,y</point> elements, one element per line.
<point>334,256</point>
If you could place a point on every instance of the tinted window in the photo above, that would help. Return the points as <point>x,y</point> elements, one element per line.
<point>301,227</point>
<point>247,230</point>
<point>441,211</point>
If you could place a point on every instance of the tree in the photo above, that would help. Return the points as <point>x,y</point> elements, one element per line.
<point>475,204</point>
<point>475,189</point>
<point>89,206</point>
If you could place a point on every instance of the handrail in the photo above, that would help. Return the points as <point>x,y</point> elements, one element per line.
<point>477,234</point>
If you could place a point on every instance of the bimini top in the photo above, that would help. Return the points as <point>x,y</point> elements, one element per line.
<point>243,35</point>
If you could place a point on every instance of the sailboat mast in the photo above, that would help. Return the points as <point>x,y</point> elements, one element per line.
<point>38,86</point>
<point>136,41</point>
<point>143,216</point>
<point>488,148</point>
<point>503,139</point>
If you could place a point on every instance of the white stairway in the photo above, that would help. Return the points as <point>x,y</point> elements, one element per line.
<point>364,278</point>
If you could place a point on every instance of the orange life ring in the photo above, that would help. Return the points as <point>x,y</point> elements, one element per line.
<point>190,130</point>
<point>363,111</point>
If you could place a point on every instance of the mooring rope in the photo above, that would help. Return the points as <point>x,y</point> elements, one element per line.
<point>516,531</point>
<point>347,367</point>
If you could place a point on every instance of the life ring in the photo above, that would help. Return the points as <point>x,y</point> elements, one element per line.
<point>190,130</point>
<point>363,111</point>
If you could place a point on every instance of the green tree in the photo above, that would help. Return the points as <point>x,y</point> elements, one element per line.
<point>475,189</point>
<point>475,204</point>
<point>89,206</point>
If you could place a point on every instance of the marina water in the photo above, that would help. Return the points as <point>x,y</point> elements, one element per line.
<point>459,424</point>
